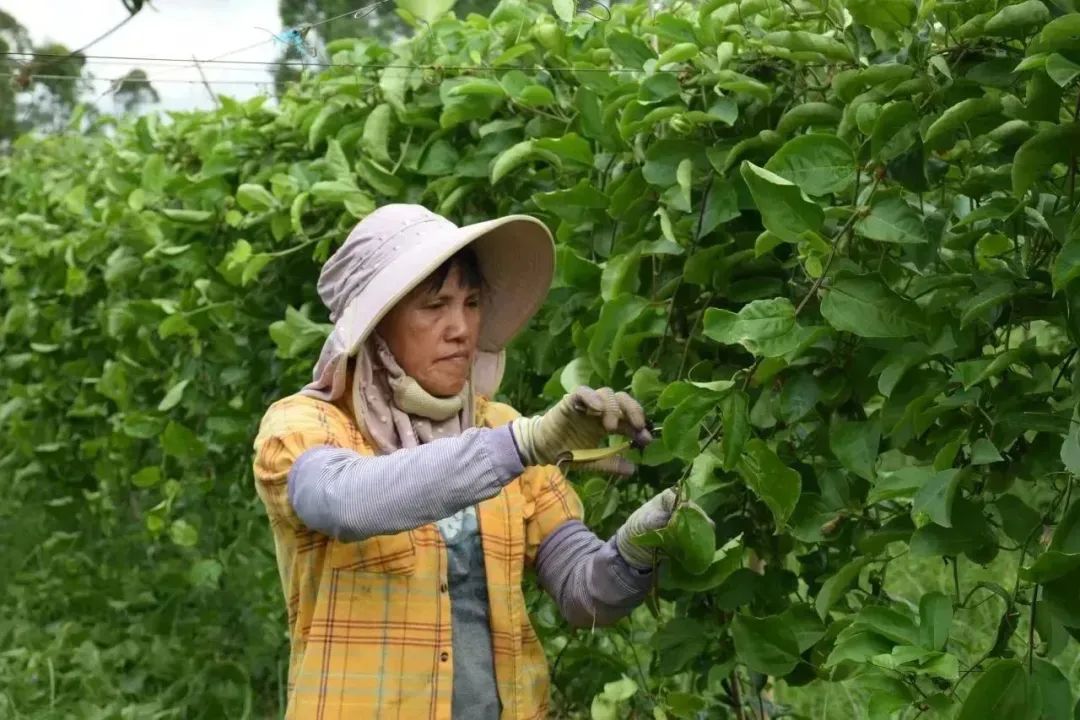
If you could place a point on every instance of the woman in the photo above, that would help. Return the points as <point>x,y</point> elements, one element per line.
<point>405,504</point>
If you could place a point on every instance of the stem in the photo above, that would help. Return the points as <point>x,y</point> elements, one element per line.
<point>956,577</point>
<point>1031,630</point>
<point>637,661</point>
<point>678,286</point>
<point>404,151</point>
<point>1064,367</point>
<point>686,347</point>
<point>837,242</point>
<point>736,694</point>
<point>1073,158</point>
<point>681,485</point>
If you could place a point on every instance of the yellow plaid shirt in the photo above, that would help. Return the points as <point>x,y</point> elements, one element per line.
<point>369,621</point>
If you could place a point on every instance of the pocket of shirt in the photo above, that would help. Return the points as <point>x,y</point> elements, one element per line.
<point>393,554</point>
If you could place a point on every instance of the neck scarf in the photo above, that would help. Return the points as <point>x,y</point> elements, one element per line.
<point>393,410</point>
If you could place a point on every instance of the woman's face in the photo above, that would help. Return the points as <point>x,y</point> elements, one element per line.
<point>433,335</point>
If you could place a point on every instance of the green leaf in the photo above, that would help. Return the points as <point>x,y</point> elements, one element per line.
<point>570,147</point>
<point>726,560</point>
<point>205,573</point>
<point>376,137</point>
<point>804,624</point>
<point>1050,566</point>
<point>936,497</point>
<point>511,159</point>
<point>818,164</point>
<point>678,642</point>
<point>605,345</point>
<point>855,445</point>
<point>573,203</point>
<point>837,586</point>
<point>983,452</point>
<point>183,533</point>
<point>1070,447</point>
<point>887,15</point>
<point>1019,19</point>
<point>889,623</point>
<point>535,96</point>
<point>564,9</point>
<point>785,210</point>
<point>1055,689</point>
<point>892,220</point>
<point>1061,33</point>
<point>182,443</point>
<point>677,53</point>
<point>866,307</point>
<point>935,620</point>
<point>620,276</point>
<point>1061,69</point>
<point>1067,263</point>
<point>776,484</point>
<point>1004,690</point>
<point>1017,518</point>
<point>1039,154</point>
<point>988,298</point>
<point>193,217</point>
<point>756,321</point>
<point>173,396</point>
<point>691,539</point>
<point>479,86</point>
<point>721,205</point>
<point>956,117</point>
<point>765,645</point>
<point>901,483</point>
<point>895,130</point>
<point>682,427</point>
<point>147,477</point>
<point>335,161</point>
<point>336,191</point>
<point>631,50</point>
<point>658,88</point>
<point>806,43</point>
<point>427,10</point>
<point>736,420</point>
<point>809,114</point>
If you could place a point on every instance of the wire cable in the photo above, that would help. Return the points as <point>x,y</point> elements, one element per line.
<point>147,81</point>
<point>372,66</point>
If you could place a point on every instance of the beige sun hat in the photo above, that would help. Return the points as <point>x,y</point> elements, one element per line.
<point>395,248</point>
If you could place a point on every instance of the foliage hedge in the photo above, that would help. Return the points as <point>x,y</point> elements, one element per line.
<point>833,245</point>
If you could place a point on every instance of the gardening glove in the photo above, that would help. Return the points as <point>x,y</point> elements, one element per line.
<point>653,515</point>
<point>581,421</point>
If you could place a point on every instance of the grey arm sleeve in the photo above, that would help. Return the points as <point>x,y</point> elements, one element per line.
<point>590,581</point>
<point>350,496</point>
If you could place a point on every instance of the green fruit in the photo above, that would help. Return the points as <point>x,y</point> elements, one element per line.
<point>548,35</point>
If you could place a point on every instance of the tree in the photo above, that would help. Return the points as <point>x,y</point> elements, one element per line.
<point>47,81</point>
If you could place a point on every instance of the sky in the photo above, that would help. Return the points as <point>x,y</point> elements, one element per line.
<point>164,29</point>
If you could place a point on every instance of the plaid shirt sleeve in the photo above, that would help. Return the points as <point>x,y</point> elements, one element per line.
<point>288,428</point>
<point>550,500</point>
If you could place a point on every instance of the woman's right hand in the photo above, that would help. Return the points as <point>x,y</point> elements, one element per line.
<point>581,421</point>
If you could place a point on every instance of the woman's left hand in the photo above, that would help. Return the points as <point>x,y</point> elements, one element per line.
<point>653,515</point>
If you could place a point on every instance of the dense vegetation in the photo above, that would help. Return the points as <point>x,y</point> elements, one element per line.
<point>832,244</point>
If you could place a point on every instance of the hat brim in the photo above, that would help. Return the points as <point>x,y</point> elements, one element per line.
<point>516,254</point>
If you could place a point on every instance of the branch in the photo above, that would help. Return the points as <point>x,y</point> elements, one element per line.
<point>678,285</point>
<point>1073,158</point>
<point>1031,630</point>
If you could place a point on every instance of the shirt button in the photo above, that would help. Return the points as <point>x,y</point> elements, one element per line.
<point>445,656</point>
<point>442,587</point>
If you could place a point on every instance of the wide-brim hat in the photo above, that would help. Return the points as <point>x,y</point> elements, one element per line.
<point>392,250</point>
